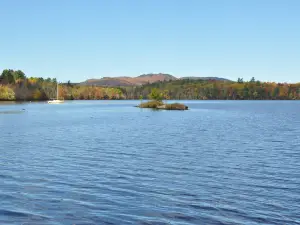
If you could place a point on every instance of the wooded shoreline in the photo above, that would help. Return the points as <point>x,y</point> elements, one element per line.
<point>41,101</point>
<point>15,86</point>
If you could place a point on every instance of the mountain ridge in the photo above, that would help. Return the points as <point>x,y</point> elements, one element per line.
<point>141,79</point>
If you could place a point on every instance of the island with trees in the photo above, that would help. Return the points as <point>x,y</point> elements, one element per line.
<point>16,86</point>
<point>157,102</point>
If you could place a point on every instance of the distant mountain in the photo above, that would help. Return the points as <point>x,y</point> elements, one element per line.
<point>204,78</point>
<point>129,81</point>
<point>140,80</point>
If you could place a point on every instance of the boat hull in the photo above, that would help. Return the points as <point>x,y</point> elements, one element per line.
<point>55,102</point>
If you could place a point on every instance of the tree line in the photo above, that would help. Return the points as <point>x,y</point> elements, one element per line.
<point>15,85</point>
<point>217,90</point>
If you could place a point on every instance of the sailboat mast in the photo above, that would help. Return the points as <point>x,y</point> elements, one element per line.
<point>57,91</point>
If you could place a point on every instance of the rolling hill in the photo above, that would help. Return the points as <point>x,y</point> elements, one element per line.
<point>140,80</point>
<point>204,78</point>
<point>129,81</point>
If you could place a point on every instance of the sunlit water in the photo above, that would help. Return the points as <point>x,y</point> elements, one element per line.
<point>107,162</point>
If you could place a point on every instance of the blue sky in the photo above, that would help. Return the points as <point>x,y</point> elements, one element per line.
<point>80,39</point>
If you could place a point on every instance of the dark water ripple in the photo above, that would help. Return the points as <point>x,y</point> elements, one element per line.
<point>106,162</point>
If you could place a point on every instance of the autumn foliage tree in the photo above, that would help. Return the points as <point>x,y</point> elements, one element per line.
<point>15,85</point>
<point>216,89</point>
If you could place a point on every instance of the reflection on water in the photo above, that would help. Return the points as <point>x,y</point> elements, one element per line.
<point>10,107</point>
<point>12,112</point>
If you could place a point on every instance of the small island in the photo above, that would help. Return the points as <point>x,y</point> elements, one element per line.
<point>157,103</point>
<point>160,105</point>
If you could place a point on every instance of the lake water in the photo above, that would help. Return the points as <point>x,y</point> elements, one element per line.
<point>107,162</point>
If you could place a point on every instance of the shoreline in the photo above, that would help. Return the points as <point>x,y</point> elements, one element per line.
<point>29,101</point>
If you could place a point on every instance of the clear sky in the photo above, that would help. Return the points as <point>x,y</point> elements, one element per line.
<point>80,39</point>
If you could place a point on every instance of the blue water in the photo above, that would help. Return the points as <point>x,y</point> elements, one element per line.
<point>107,162</point>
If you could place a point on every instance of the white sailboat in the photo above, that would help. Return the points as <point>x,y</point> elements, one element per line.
<point>56,101</point>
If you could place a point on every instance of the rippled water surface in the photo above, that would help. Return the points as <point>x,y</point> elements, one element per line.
<point>107,162</point>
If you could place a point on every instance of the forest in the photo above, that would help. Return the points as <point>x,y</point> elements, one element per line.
<point>217,90</point>
<point>16,86</point>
